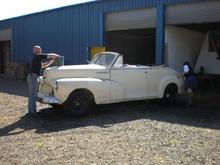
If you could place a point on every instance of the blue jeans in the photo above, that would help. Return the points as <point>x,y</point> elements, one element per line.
<point>32,92</point>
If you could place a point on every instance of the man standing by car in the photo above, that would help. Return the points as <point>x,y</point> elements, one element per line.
<point>36,67</point>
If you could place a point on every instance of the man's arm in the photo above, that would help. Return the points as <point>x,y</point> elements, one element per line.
<point>48,63</point>
<point>52,55</point>
<point>179,75</point>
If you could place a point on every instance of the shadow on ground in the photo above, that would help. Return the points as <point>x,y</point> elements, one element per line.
<point>206,114</point>
<point>16,87</point>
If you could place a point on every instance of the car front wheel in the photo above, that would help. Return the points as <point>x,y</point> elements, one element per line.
<point>170,95</point>
<point>77,104</point>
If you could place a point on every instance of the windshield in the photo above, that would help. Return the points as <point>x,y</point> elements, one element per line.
<point>104,59</point>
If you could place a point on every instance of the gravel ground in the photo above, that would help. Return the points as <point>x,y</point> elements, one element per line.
<point>132,133</point>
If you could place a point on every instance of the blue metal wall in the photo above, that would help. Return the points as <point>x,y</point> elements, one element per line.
<point>70,30</point>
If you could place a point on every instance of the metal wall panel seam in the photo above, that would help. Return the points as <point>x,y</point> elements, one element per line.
<point>160,34</point>
<point>101,29</point>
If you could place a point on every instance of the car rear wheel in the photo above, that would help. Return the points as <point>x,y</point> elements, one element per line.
<point>56,106</point>
<point>170,94</point>
<point>77,104</point>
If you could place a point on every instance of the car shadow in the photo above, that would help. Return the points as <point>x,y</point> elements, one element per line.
<point>204,115</point>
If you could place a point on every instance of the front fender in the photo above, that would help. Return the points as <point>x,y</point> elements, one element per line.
<point>170,80</point>
<point>98,87</point>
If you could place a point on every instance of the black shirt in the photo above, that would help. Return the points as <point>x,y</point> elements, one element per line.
<point>36,63</point>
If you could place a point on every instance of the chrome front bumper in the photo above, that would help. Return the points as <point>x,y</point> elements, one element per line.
<point>47,99</point>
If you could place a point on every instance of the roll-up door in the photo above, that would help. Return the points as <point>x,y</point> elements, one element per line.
<point>203,12</point>
<point>134,19</point>
<point>5,34</point>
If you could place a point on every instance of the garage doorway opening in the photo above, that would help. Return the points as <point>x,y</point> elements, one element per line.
<point>4,55</point>
<point>203,28</point>
<point>187,35</point>
<point>5,47</point>
<point>208,58</point>
<point>189,42</point>
<point>133,34</point>
<point>137,45</point>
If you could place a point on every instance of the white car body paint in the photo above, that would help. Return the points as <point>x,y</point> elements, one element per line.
<point>108,79</point>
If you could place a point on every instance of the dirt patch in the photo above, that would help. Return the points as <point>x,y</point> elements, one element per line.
<point>132,133</point>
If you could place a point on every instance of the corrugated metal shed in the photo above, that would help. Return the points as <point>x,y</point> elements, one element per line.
<point>70,30</point>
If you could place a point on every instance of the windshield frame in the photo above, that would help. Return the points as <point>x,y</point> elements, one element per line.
<point>98,55</point>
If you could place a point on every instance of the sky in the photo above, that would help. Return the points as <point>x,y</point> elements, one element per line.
<point>14,8</point>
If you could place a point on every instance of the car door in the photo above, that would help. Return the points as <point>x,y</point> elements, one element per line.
<point>128,82</point>
<point>153,78</point>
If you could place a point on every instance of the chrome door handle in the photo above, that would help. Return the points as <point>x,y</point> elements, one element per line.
<point>102,72</point>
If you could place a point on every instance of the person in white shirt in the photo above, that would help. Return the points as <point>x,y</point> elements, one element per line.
<point>191,83</point>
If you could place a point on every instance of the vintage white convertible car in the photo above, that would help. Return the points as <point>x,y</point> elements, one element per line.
<point>106,80</point>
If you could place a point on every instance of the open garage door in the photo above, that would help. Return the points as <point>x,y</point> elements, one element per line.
<point>187,38</point>
<point>134,19</point>
<point>5,37</point>
<point>203,12</point>
<point>132,33</point>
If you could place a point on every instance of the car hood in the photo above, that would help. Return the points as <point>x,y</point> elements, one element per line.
<point>79,71</point>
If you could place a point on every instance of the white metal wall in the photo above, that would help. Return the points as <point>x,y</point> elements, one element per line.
<point>181,45</point>
<point>203,12</point>
<point>208,59</point>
